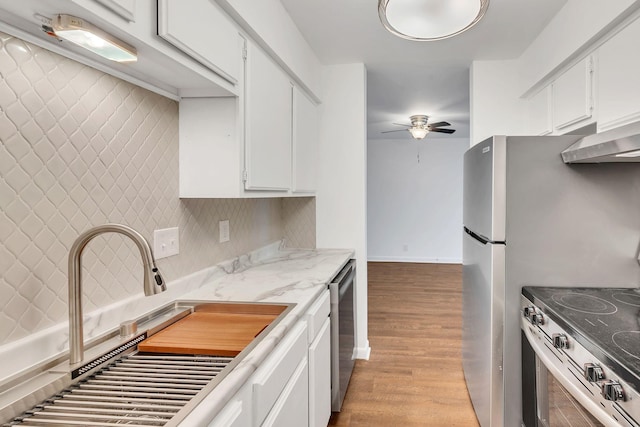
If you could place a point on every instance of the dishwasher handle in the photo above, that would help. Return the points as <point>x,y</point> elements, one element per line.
<point>346,270</point>
<point>343,282</point>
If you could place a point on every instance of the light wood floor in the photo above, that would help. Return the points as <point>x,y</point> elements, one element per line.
<point>414,375</point>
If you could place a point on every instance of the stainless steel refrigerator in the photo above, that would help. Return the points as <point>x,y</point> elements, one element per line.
<point>530,219</point>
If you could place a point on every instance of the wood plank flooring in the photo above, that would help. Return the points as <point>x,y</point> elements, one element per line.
<point>414,375</point>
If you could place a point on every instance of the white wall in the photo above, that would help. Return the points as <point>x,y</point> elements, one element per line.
<point>415,208</point>
<point>496,107</point>
<point>341,194</point>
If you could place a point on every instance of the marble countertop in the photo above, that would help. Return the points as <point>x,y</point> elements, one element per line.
<point>292,276</point>
<point>270,274</point>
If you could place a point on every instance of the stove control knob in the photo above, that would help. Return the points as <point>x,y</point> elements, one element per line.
<point>528,311</point>
<point>537,318</point>
<point>612,390</point>
<point>593,373</point>
<point>560,341</point>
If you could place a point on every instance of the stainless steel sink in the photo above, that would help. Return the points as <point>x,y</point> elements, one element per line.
<point>117,384</point>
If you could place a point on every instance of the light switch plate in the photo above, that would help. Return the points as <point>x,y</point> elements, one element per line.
<point>224,231</point>
<point>166,242</point>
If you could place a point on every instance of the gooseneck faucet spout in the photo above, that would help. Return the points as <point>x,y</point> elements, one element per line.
<point>151,286</point>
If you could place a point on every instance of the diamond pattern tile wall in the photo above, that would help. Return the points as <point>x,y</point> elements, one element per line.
<point>80,148</point>
<point>299,214</point>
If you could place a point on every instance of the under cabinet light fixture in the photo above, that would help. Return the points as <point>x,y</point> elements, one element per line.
<point>88,36</point>
<point>429,20</point>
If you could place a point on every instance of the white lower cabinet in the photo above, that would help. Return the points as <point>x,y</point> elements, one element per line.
<point>274,373</point>
<point>319,335</point>
<point>237,412</point>
<point>320,377</point>
<point>292,409</point>
<point>292,386</point>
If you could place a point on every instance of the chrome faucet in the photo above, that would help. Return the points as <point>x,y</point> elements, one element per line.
<point>76,337</point>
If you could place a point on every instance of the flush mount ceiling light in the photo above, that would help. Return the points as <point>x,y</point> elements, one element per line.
<point>427,20</point>
<point>88,36</point>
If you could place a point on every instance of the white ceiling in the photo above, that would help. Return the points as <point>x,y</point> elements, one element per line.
<point>407,77</point>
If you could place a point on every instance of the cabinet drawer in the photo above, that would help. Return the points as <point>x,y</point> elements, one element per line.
<point>274,373</point>
<point>236,413</point>
<point>317,315</point>
<point>292,407</point>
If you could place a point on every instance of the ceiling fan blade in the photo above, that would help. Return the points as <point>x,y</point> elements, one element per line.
<point>401,124</point>
<point>443,130</point>
<point>399,130</point>
<point>436,125</point>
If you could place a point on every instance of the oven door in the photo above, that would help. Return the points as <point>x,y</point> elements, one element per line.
<point>555,392</point>
<point>546,402</point>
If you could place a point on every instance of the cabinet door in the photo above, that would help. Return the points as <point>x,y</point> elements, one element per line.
<point>271,377</point>
<point>618,82</point>
<point>292,407</point>
<point>320,377</point>
<point>201,30</point>
<point>124,8</point>
<point>572,97</point>
<point>268,98</point>
<point>237,412</point>
<point>539,113</point>
<point>305,141</point>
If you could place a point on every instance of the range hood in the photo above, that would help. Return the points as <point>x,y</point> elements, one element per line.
<point>615,146</point>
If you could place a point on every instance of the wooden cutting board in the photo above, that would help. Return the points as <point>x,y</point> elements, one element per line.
<point>210,333</point>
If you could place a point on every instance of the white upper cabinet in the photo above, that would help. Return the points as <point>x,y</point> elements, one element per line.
<point>268,115</point>
<point>200,29</point>
<point>124,8</point>
<point>573,97</point>
<point>619,79</point>
<point>538,113</point>
<point>305,141</point>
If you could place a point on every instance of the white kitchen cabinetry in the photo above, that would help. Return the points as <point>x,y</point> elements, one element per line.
<point>319,336</point>
<point>618,79</point>
<point>268,115</point>
<point>201,30</point>
<point>277,371</point>
<point>124,8</point>
<point>538,120</point>
<point>237,412</point>
<point>573,97</point>
<point>305,141</point>
<point>245,147</point>
<point>292,408</point>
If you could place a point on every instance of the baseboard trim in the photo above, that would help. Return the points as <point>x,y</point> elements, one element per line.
<point>362,352</point>
<point>415,259</point>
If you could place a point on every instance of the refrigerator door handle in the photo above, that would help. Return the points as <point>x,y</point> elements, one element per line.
<point>481,238</point>
<point>476,236</point>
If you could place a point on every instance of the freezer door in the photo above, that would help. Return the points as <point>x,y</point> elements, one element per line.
<point>483,326</point>
<point>485,188</point>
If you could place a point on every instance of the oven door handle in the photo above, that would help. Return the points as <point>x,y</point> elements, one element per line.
<point>549,363</point>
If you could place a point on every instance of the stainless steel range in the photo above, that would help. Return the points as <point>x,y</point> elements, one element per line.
<point>581,356</point>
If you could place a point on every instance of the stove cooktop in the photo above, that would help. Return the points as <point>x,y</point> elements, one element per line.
<point>606,321</point>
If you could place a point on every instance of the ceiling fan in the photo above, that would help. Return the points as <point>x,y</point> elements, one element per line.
<point>419,128</point>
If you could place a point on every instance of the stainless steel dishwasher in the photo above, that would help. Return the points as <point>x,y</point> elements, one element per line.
<point>342,290</point>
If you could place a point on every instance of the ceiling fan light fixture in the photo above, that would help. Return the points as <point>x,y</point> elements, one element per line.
<point>418,132</point>
<point>429,20</point>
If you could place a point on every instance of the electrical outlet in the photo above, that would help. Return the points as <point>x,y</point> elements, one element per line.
<point>405,248</point>
<point>166,242</point>
<point>224,231</point>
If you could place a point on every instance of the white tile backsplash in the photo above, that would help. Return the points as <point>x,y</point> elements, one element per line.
<point>80,148</point>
